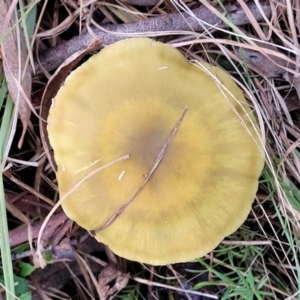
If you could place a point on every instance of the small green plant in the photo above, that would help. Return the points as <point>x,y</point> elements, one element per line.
<point>238,284</point>
<point>131,292</point>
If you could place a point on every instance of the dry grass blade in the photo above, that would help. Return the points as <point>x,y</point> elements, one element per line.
<point>41,261</point>
<point>51,89</point>
<point>14,59</point>
<point>156,163</point>
<point>163,25</point>
<point>166,286</point>
<point>19,215</point>
<point>109,275</point>
<point>28,188</point>
<point>257,42</point>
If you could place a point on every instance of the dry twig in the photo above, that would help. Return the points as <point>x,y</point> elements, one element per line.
<point>160,156</point>
<point>163,25</point>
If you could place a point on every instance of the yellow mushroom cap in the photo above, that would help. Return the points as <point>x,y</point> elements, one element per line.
<point>126,100</point>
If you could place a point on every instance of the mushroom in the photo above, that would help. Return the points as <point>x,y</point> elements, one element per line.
<point>144,98</point>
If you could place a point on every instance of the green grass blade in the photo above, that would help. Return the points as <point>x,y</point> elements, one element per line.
<point>4,237</point>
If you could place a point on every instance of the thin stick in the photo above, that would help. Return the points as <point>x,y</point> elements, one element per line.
<point>157,161</point>
<point>166,286</point>
<point>28,188</point>
<point>174,23</point>
<point>41,261</point>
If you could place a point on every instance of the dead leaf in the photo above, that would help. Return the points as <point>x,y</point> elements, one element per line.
<point>292,100</point>
<point>294,80</point>
<point>271,65</point>
<point>63,250</point>
<point>51,89</point>
<point>267,66</point>
<point>111,282</point>
<point>14,60</point>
